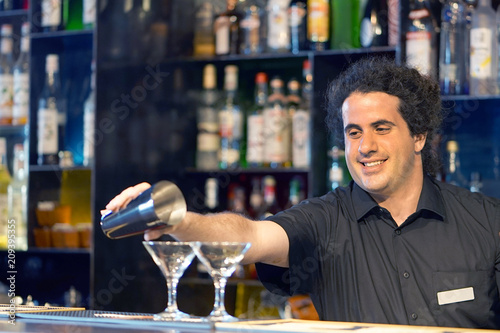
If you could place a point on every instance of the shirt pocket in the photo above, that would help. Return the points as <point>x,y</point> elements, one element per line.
<point>465,313</point>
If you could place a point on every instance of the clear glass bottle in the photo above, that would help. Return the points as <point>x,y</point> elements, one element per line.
<point>270,204</point>
<point>374,25</point>
<point>484,50</point>
<point>294,108</point>
<point>208,139</point>
<point>227,30</point>
<point>297,13</point>
<point>230,122</point>
<point>17,196</point>
<point>301,123</point>
<point>468,10</point>
<point>454,173</point>
<point>5,180</point>
<point>451,54</point>
<point>255,123</point>
<point>89,121</point>
<point>318,24</point>
<point>6,75</point>
<point>21,77</point>
<point>338,173</point>
<point>252,27</point>
<point>204,39</point>
<point>89,13</point>
<point>278,31</point>
<point>421,39</point>
<point>294,193</point>
<point>275,126</point>
<point>51,117</point>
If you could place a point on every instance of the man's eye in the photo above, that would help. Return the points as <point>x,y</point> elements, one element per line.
<point>383,129</point>
<point>354,134</point>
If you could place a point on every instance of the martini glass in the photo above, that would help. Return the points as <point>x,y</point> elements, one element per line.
<point>172,258</point>
<point>220,259</point>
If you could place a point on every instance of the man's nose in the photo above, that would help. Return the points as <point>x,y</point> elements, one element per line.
<point>367,144</point>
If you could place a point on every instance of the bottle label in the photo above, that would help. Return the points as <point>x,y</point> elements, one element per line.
<point>51,13</point>
<point>222,25</point>
<point>318,20</point>
<point>230,124</point>
<point>275,130</point>
<point>481,52</point>
<point>278,36</point>
<point>255,139</point>
<point>89,11</point>
<point>47,131</point>
<point>301,139</point>
<point>250,26</point>
<point>418,51</point>
<point>21,95</point>
<point>6,95</point>
<point>296,16</point>
<point>208,142</point>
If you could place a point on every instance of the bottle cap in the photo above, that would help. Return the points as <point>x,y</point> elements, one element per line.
<point>209,77</point>
<point>52,63</point>
<point>261,77</point>
<point>6,30</point>
<point>452,146</point>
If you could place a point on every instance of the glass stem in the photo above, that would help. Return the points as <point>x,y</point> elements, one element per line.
<point>172,294</point>
<point>220,291</point>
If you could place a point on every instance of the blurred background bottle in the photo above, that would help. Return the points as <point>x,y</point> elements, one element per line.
<point>421,38</point>
<point>297,14</point>
<point>345,24</point>
<point>255,123</point>
<point>6,75</point>
<point>52,15</point>
<point>318,24</point>
<point>227,30</point>
<point>208,140</point>
<point>278,27</point>
<point>5,180</point>
<point>17,197</point>
<point>204,39</point>
<point>253,27</point>
<point>89,14</point>
<point>338,172</point>
<point>275,126</point>
<point>454,173</point>
<point>483,50</point>
<point>452,43</point>
<point>374,25</point>
<point>230,122</point>
<point>89,121</point>
<point>294,109</point>
<point>21,78</point>
<point>301,122</point>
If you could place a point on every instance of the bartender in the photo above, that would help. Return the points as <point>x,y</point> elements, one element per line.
<point>394,246</point>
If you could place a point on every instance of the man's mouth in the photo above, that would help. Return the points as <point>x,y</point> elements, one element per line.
<point>371,164</point>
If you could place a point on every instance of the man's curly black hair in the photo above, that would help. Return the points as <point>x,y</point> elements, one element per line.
<point>419,96</point>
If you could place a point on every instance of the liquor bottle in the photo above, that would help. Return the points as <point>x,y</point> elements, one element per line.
<point>270,204</point>
<point>5,180</point>
<point>212,196</point>
<point>208,139</point>
<point>345,24</point>
<point>297,14</point>
<point>89,14</point>
<point>454,173</point>
<point>484,50</point>
<point>227,30</point>
<point>294,194</point>
<point>256,199</point>
<point>275,126</point>
<point>230,122</point>
<point>51,117</point>
<point>52,15</point>
<point>293,106</point>
<point>421,39</point>
<point>203,41</point>
<point>301,123</point>
<point>89,121</point>
<point>252,27</point>
<point>374,25</point>
<point>7,5</point>
<point>476,182</point>
<point>255,123</point>
<point>451,53</point>
<point>469,9</point>
<point>21,79</point>
<point>6,77</point>
<point>278,28</point>
<point>17,197</point>
<point>393,22</point>
<point>72,15</point>
<point>338,173</point>
<point>318,28</point>
<point>237,199</point>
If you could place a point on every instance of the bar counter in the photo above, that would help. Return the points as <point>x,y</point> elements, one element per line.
<point>89,321</point>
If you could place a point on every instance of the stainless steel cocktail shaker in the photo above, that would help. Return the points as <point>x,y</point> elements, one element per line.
<point>161,205</point>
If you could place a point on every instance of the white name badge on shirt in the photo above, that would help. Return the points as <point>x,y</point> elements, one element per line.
<point>455,295</point>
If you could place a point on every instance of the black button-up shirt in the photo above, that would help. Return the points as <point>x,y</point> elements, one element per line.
<point>440,267</point>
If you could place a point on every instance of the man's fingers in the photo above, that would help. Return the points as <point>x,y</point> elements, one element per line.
<point>122,200</point>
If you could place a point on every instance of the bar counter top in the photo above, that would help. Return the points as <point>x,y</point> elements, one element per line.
<point>90,321</point>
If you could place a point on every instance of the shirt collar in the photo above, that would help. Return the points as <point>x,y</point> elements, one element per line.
<point>430,199</point>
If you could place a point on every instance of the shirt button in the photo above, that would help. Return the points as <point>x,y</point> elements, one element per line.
<point>414,316</point>
<point>406,275</point>
<point>398,232</point>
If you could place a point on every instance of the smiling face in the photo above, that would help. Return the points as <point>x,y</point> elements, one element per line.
<point>382,155</point>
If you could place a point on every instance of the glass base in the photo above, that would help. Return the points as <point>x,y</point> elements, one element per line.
<point>221,316</point>
<point>171,316</point>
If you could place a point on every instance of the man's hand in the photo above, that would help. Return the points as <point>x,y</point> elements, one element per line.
<point>122,200</point>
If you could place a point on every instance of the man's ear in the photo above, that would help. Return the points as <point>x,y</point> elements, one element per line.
<point>420,141</point>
